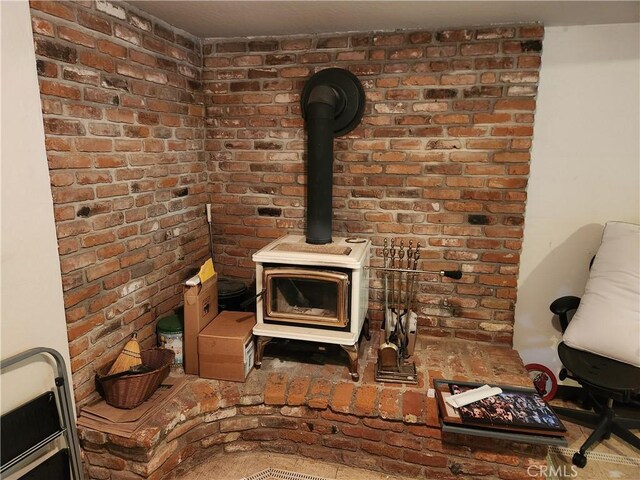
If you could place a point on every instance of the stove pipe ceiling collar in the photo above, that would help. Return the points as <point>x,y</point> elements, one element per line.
<point>332,105</point>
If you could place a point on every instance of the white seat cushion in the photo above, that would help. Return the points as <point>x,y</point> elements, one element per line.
<point>608,320</point>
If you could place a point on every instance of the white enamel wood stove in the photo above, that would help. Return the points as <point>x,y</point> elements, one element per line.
<point>317,293</point>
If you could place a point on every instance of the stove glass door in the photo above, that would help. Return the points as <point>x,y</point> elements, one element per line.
<point>297,295</point>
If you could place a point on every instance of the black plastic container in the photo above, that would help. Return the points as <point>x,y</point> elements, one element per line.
<point>231,294</point>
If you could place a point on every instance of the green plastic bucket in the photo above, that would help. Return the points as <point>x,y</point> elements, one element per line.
<point>170,335</point>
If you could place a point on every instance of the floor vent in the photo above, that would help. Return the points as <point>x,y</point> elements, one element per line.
<point>597,456</point>
<point>275,474</point>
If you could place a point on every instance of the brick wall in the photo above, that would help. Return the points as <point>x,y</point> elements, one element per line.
<point>144,124</point>
<point>123,117</point>
<point>441,156</point>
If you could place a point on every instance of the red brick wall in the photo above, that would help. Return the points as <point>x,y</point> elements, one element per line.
<point>123,117</point>
<point>441,156</point>
<point>144,124</point>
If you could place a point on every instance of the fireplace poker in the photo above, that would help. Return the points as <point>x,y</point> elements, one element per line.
<point>388,356</point>
<point>399,332</point>
<point>410,266</point>
<point>393,274</point>
<point>412,300</point>
<point>399,296</point>
<point>409,296</point>
<point>385,256</point>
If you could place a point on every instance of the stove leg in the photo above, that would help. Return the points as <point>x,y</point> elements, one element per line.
<point>261,342</point>
<point>352,351</point>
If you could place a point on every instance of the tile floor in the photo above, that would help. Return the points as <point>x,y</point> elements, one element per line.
<point>610,458</point>
<point>241,465</point>
<point>624,464</point>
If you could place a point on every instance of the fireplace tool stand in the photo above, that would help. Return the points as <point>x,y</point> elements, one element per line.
<point>400,319</point>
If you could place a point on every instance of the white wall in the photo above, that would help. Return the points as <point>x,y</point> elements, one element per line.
<point>32,310</point>
<point>585,170</point>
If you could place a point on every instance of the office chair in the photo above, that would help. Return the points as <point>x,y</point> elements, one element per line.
<point>601,343</point>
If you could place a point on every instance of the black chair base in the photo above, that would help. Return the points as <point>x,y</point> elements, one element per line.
<point>604,424</point>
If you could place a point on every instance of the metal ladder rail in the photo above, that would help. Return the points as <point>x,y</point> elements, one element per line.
<point>66,405</point>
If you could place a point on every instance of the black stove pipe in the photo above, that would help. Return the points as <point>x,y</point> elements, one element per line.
<point>332,105</point>
<point>320,117</point>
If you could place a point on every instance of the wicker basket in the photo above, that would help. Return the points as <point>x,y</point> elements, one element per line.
<point>131,390</point>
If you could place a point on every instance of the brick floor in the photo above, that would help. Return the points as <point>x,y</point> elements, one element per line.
<point>316,410</point>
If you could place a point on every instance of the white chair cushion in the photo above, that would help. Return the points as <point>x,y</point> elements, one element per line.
<point>607,321</point>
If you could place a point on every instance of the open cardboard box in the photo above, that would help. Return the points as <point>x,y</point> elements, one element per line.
<point>200,308</point>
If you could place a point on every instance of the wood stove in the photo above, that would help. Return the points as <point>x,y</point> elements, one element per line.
<point>317,288</point>
<point>317,293</point>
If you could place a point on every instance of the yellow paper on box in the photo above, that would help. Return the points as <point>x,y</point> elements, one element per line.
<point>206,271</point>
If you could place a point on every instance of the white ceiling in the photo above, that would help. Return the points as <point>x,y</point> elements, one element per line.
<point>239,18</point>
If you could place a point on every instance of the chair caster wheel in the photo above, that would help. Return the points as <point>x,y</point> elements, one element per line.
<point>579,460</point>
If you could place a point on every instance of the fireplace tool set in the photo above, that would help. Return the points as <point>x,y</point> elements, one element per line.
<point>400,320</point>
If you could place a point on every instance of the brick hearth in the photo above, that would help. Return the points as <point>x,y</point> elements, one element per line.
<point>316,411</point>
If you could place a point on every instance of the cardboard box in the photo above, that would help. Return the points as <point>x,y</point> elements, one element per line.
<point>200,308</point>
<point>225,347</point>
